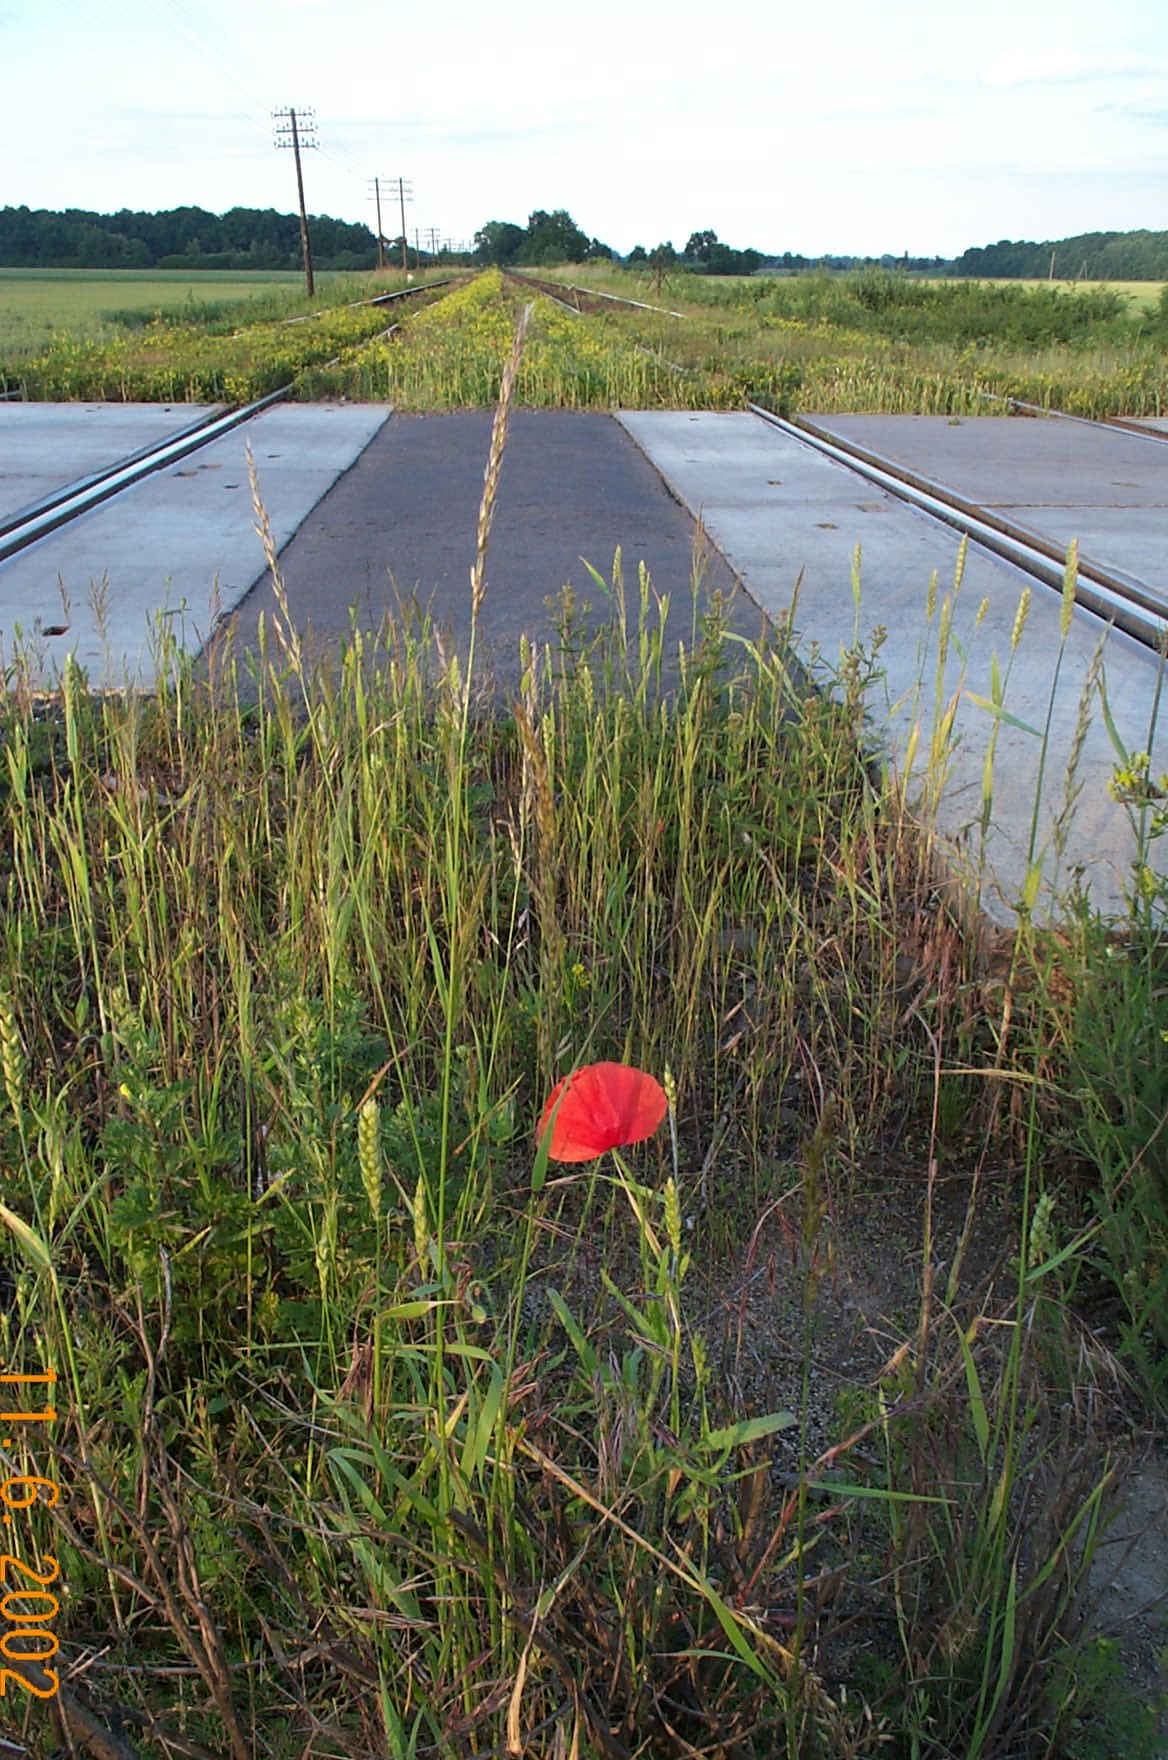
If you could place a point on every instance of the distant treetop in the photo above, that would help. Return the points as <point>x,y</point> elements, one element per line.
<point>262,238</point>
<point>179,238</point>
<point>1090,256</point>
<point>547,238</point>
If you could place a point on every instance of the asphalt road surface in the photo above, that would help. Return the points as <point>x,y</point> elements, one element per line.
<point>400,525</point>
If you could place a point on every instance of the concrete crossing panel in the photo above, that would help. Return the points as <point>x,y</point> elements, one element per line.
<point>181,543</point>
<point>793,525</point>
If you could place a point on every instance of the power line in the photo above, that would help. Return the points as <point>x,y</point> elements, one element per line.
<point>252,79</point>
<point>209,47</point>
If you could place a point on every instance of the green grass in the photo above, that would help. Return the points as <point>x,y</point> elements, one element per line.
<point>864,342</point>
<point>451,354</point>
<point>379,1434</point>
<point>867,342</point>
<point>1143,295</point>
<point>219,352</point>
<point>37,304</point>
<point>879,342</point>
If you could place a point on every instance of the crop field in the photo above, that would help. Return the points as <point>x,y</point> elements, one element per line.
<point>38,304</point>
<point>223,350</point>
<point>552,1233</point>
<point>1144,295</point>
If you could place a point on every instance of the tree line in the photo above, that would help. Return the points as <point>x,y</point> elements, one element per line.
<point>179,238</point>
<point>1089,256</point>
<point>556,238</point>
<point>261,238</point>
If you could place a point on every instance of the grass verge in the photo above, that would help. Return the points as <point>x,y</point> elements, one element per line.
<point>865,342</point>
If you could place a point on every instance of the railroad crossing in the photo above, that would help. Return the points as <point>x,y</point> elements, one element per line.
<point>367,508</point>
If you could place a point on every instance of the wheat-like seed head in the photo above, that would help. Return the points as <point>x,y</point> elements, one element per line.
<point>1020,617</point>
<point>1070,581</point>
<point>478,573</point>
<point>369,1154</point>
<point>11,1056</point>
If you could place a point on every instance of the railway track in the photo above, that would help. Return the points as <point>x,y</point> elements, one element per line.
<point>379,299</point>
<point>68,502</point>
<point>20,529</point>
<point>584,301</point>
<point>1118,424</point>
<point>1129,604</point>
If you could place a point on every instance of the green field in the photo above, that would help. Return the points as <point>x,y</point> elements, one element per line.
<point>36,304</point>
<point>1142,295</point>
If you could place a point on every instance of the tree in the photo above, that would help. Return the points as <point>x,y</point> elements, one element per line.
<point>554,238</point>
<point>499,241</point>
<point>242,238</point>
<point>1098,256</point>
<point>706,252</point>
<point>724,261</point>
<point>699,245</point>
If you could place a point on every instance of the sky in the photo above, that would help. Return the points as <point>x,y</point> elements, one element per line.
<point>815,126</point>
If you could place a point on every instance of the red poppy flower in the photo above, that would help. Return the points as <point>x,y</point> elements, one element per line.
<point>602,1106</point>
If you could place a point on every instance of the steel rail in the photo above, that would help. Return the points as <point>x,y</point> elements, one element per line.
<point>620,300</point>
<point>9,521</point>
<point>562,287</point>
<point>1133,425</point>
<point>385,299</point>
<point>1117,424</point>
<point>544,287</point>
<point>28,524</point>
<point>20,530</point>
<point>1126,603</point>
<point>378,299</point>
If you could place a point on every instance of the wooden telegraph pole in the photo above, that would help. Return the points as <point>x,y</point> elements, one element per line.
<point>296,133</point>
<point>376,181</point>
<point>404,195</point>
<point>402,190</point>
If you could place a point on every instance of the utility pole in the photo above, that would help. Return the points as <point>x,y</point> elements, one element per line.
<point>405,194</point>
<point>294,134</point>
<point>380,235</point>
